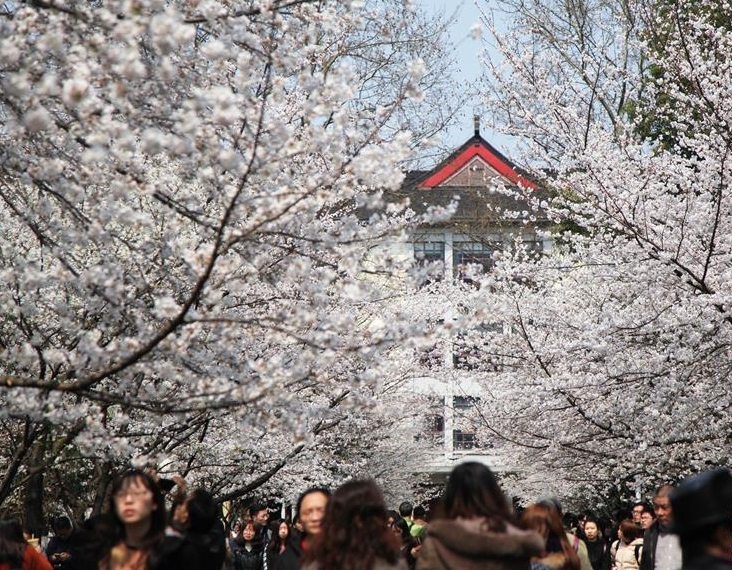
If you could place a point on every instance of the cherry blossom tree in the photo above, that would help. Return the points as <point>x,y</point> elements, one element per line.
<point>185,281</point>
<point>614,371</point>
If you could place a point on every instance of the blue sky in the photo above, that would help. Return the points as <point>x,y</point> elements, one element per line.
<point>469,67</point>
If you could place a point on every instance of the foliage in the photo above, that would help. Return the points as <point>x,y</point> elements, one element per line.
<point>185,283</point>
<point>669,23</point>
<point>619,346</point>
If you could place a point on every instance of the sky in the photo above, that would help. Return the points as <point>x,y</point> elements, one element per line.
<point>469,67</point>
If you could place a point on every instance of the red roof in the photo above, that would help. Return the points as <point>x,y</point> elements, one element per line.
<point>476,146</point>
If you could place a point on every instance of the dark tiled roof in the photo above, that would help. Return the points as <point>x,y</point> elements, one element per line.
<point>476,204</point>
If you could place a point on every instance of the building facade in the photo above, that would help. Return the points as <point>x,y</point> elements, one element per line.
<point>493,215</point>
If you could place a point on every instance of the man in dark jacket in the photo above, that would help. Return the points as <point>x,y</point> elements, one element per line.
<point>61,549</point>
<point>661,549</point>
<point>260,518</point>
<point>702,520</point>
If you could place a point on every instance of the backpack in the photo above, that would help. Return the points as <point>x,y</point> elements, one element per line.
<point>638,556</point>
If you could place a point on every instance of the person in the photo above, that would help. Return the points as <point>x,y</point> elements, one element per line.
<point>405,511</point>
<point>354,533</point>
<point>608,525</point>
<point>247,551</point>
<point>310,510</point>
<point>204,530</point>
<point>410,544</point>
<point>475,527</point>
<point>94,537</point>
<point>138,521</point>
<point>166,485</point>
<point>577,543</point>
<point>235,531</point>
<point>178,516</point>
<point>296,528</point>
<point>280,532</point>
<point>636,511</point>
<point>260,518</point>
<point>556,552</point>
<point>419,525</point>
<point>393,516</point>
<point>661,548</point>
<point>15,552</point>
<point>60,551</point>
<point>581,521</point>
<point>701,507</point>
<point>648,517</point>
<point>597,550</point>
<point>626,552</point>
<point>571,523</point>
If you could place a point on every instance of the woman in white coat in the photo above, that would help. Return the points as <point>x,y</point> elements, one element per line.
<point>626,552</point>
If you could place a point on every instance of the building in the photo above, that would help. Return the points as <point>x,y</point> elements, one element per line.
<point>483,224</point>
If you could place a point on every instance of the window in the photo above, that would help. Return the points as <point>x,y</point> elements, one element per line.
<point>469,257</point>
<point>464,402</point>
<point>430,255</point>
<point>463,440</point>
<point>429,252</point>
<point>433,430</point>
<point>533,248</point>
<point>434,423</point>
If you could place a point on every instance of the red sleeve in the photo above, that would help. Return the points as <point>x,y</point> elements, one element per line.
<point>34,560</point>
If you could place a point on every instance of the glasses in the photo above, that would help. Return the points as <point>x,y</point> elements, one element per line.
<point>120,495</point>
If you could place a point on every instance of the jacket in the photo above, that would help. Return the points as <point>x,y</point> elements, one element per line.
<point>627,556</point>
<point>650,545</point>
<point>466,544</point>
<point>210,546</point>
<point>650,539</point>
<point>290,557</point>
<point>243,559</point>
<point>32,560</point>
<point>58,545</point>
<point>598,552</point>
<point>177,553</point>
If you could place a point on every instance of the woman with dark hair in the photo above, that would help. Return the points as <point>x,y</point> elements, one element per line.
<point>204,530</point>
<point>355,534</point>
<point>247,549</point>
<point>138,523</point>
<point>410,544</point>
<point>597,548</point>
<point>15,552</point>
<point>557,553</point>
<point>280,532</point>
<point>475,527</point>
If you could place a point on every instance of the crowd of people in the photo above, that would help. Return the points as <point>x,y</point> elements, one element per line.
<point>474,526</point>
